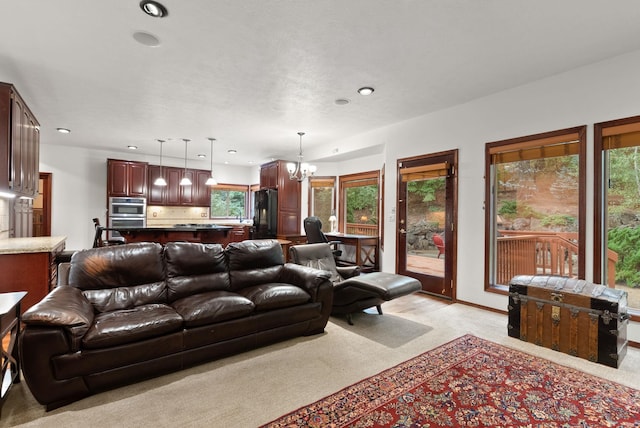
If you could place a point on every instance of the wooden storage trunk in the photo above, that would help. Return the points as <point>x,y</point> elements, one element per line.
<point>570,315</point>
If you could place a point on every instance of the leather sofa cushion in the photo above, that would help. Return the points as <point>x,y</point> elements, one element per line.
<point>255,254</point>
<point>131,325</point>
<point>275,296</point>
<point>251,277</point>
<point>194,268</point>
<point>119,298</point>
<point>212,307</point>
<point>117,266</point>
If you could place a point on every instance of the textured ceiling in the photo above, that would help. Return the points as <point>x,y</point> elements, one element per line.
<point>252,73</point>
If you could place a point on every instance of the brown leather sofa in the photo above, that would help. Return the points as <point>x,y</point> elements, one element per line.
<point>135,311</point>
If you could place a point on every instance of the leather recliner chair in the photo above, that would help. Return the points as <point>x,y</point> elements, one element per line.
<point>353,292</point>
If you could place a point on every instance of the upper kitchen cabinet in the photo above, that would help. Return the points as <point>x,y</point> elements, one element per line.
<point>269,175</point>
<point>19,145</point>
<point>126,178</point>
<point>202,191</point>
<point>173,194</point>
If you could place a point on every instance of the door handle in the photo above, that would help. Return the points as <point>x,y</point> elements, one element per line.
<point>402,231</point>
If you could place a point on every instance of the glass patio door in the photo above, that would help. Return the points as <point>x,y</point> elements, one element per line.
<point>426,221</point>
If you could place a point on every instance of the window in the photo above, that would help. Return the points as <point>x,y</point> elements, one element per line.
<point>322,200</point>
<point>617,208</point>
<point>359,196</point>
<point>535,206</point>
<point>229,201</point>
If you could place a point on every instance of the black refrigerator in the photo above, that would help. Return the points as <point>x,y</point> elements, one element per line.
<point>265,218</point>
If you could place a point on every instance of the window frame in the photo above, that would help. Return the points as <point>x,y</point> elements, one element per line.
<point>231,187</point>
<point>357,180</point>
<point>321,182</point>
<point>528,143</point>
<point>600,131</point>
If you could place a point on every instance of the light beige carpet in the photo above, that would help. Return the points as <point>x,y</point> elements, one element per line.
<point>256,387</point>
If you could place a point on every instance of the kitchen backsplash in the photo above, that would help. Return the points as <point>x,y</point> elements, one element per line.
<point>168,216</point>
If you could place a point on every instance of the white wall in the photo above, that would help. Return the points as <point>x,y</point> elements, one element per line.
<point>600,92</point>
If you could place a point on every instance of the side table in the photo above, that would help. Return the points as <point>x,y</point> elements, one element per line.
<point>9,333</point>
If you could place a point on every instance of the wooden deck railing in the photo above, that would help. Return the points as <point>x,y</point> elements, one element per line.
<point>362,229</point>
<point>542,253</point>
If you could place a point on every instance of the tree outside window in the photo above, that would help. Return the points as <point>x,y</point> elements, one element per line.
<point>617,211</point>
<point>322,199</point>
<point>535,211</point>
<point>359,201</point>
<point>229,201</point>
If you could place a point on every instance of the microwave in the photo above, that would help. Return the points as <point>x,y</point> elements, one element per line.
<point>127,207</point>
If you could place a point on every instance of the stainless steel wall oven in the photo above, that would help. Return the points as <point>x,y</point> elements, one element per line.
<point>127,212</point>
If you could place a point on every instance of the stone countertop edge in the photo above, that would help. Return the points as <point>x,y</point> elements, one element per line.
<point>172,229</point>
<point>41,244</point>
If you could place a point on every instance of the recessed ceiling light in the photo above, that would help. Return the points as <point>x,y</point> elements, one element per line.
<point>132,147</point>
<point>63,130</point>
<point>232,151</point>
<point>201,156</point>
<point>153,8</point>
<point>367,90</point>
<point>342,101</point>
<point>146,39</point>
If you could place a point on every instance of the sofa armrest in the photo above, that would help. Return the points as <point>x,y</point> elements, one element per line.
<point>65,307</point>
<point>348,271</point>
<point>305,277</point>
<point>63,273</point>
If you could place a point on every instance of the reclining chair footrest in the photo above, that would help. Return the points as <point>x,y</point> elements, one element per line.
<point>387,285</point>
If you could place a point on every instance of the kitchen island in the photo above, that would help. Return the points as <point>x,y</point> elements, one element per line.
<point>29,264</point>
<point>204,233</point>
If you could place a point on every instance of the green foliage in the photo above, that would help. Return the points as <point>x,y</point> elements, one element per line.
<point>625,241</point>
<point>558,220</point>
<point>625,177</point>
<point>228,203</point>
<point>509,209</point>
<point>323,204</point>
<point>427,189</point>
<point>362,200</point>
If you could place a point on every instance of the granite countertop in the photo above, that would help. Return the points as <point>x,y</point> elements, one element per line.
<point>41,244</point>
<point>181,228</point>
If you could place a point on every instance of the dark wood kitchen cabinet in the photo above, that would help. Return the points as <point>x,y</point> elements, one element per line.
<point>202,191</point>
<point>269,175</point>
<point>19,145</point>
<point>126,178</point>
<point>30,264</point>
<point>289,195</point>
<point>173,194</point>
<point>186,192</point>
<point>155,194</point>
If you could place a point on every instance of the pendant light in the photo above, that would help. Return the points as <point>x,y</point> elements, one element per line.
<point>160,181</point>
<point>300,170</point>
<point>211,181</point>
<point>185,180</point>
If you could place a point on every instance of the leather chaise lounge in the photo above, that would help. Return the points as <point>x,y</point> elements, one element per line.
<point>136,311</point>
<point>353,292</point>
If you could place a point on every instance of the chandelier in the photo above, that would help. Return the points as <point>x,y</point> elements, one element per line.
<point>300,170</point>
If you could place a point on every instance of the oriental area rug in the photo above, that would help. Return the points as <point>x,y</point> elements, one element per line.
<point>472,382</point>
